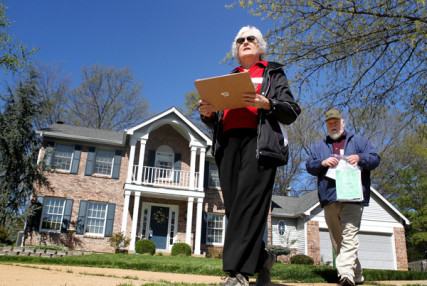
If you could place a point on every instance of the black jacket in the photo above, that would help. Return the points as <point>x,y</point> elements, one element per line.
<point>270,141</point>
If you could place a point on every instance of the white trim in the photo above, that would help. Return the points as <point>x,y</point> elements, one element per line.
<point>62,215</point>
<point>80,138</point>
<point>223,229</point>
<point>172,208</point>
<point>163,114</point>
<point>393,247</point>
<point>190,203</point>
<point>305,237</point>
<point>163,192</point>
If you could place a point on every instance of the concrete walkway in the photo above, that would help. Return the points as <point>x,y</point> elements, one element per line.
<point>15,274</point>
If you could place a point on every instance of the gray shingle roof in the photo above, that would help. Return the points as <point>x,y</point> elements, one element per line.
<point>77,133</point>
<point>293,206</point>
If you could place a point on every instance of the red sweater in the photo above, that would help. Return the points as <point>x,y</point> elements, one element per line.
<point>245,117</point>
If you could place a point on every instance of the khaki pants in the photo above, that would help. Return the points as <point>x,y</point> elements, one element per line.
<point>343,220</point>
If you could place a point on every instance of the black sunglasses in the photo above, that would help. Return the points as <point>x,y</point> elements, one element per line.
<point>242,39</point>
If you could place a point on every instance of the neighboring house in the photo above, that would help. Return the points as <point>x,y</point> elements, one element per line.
<point>158,181</point>
<point>299,223</point>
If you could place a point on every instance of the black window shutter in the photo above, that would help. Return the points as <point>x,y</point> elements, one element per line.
<point>37,213</point>
<point>48,155</point>
<point>110,220</point>
<point>151,158</point>
<point>206,175</point>
<point>204,224</point>
<point>81,218</point>
<point>90,162</point>
<point>150,163</point>
<point>76,159</point>
<point>177,167</point>
<point>117,163</point>
<point>67,215</point>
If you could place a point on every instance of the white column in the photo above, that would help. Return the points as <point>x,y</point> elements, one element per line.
<point>125,211</point>
<point>198,226</point>
<point>131,160</point>
<point>134,221</point>
<point>192,166</point>
<point>189,220</point>
<point>141,160</point>
<point>202,168</point>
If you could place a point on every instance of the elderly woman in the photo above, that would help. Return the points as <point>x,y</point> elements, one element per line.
<point>248,146</point>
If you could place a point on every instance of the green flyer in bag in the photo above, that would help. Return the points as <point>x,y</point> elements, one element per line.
<point>349,185</point>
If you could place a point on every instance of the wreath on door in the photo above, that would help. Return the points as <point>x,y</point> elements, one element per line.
<point>159,216</point>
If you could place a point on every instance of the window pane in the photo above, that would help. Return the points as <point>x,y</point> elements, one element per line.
<point>96,216</point>
<point>215,228</point>
<point>164,162</point>
<point>282,227</point>
<point>52,214</point>
<point>62,157</point>
<point>104,162</point>
<point>213,176</point>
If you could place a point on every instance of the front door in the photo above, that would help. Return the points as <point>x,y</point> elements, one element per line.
<point>159,226</point>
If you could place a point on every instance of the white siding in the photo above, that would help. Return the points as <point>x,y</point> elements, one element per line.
<point>377,211</point>
<point>301,242</point>
<point>290,232</point>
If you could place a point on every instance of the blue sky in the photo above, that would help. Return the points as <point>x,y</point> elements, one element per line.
<point>167,44</point>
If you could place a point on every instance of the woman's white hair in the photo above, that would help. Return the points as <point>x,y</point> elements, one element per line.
<point>257,33</point>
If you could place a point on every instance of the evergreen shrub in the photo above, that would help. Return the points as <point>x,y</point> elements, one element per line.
<point>144,246</point>
<point>4,237</point>
<point>181,248</point>
<point>302,259</point>
<point>279,250</point>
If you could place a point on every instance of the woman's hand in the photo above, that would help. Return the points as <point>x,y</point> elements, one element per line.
<point>256,100</point>
<point>205,108</point>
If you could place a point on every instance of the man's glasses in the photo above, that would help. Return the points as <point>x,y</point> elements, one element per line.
<point>242,39</point>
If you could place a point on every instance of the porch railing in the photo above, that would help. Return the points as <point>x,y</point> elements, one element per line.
<point>162,177</point>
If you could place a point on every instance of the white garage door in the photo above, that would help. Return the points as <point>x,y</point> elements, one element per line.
<point>375,250</point>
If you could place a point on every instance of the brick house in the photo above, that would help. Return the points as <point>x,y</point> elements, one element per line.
<point>156,180</point>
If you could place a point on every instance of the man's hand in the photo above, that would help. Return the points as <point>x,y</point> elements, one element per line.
<point>330,162</point>
<point>353,159</point>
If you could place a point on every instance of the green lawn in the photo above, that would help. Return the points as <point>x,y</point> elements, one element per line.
<point>208,266</point>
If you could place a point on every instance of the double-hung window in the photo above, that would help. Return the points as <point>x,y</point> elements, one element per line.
<point>104,162</point>
<point>96,218</point>
<point>213,176</point>
<point>215,225</point>
<point>62,157</point>
<point>53,212</point>
<point>164,162</point>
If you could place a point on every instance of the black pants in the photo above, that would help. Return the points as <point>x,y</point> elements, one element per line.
<point>247,188</point>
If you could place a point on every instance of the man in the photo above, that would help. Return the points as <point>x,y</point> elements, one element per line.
<point>343,218</point>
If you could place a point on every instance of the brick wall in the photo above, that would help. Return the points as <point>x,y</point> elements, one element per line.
<point>313,241</point>
<point>80,187</point>
<point>400,246</point>
<point>167,135</point>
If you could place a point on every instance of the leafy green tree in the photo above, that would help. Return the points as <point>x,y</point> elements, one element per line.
<point>19,147</point>
<point>409,193</point>
<point>107,98</point>
<point>13,54</point>
<point>351,53</point>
